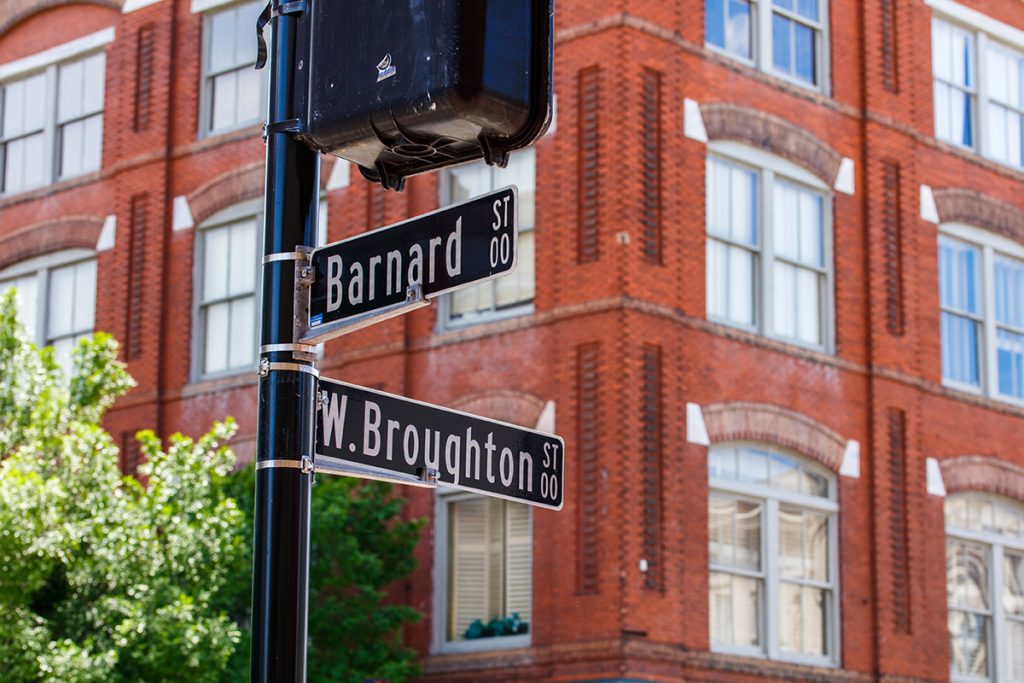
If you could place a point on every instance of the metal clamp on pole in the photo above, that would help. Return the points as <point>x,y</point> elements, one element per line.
<point>305,334</point>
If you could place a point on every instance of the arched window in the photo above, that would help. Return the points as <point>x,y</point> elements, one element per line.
<point>769,263</point>
<point>985,587</point>
<point>56,298</point>
<point>772,555</point>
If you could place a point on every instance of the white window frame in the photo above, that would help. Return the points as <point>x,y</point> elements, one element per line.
<point>205,130</point>
<point>996,545</point>
<point>445,322</point>
<point>990,246</point>
<point>439,642</point>
<point>761,44</point>
<point>41,267</point>
<point>253,209</point>
<point>767,169</point>
<point>771,499</point>
<point>984,29</point>
<point>49,62</point>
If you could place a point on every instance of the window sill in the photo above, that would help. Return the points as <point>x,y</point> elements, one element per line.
<point>59,185</point>
<point>779,341</point>
<point>484,645</point>
<point>745,661</point>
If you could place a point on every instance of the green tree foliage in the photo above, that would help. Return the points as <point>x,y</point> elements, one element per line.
<point>358,547</point>
<point>106,578</point>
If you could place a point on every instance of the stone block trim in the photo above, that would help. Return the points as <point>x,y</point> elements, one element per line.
<point>780,137</point>
<point>232,187</point>
<point>764,422</point>
<point>973,208</point>
<point>13,12</point>
<point>983,473</point>
<point>515,407</point>
<point>49,236</point>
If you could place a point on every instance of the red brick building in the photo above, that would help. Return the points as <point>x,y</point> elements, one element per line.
<point>772,295</point>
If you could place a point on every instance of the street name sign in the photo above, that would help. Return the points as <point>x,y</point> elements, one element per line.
<point>385,432</point>
<point>392,268</point>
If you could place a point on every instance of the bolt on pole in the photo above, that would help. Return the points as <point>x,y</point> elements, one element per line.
<point>287,385</point>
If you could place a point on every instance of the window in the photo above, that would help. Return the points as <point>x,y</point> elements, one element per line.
<point>772,554</point>
<point>234,93</point>
<point>783,36</point>
<point>978,90</point>
<point>56,297</point>
<point>51,126</point>
<point>227,255</point>
<point>985,588</point>
<point>767,250</point>
<point>981,294</point>
<point>511,294</point>
<point>484,556</point>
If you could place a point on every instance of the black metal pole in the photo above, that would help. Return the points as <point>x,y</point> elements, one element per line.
<point>287,389</point>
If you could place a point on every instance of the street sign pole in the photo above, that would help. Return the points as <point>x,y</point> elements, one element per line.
<point>287,384</point>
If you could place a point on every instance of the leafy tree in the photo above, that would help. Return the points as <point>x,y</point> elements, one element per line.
<point>106,579</point>
<point>358,546</point>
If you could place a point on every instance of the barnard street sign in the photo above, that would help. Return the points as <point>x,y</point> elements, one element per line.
<point>378,271</point>
<point>387,432</point>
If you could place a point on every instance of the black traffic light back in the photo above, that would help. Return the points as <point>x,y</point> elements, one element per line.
<point>400,87</point>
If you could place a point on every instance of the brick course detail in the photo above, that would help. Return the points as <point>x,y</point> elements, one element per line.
<point>48,236</point>
<point>982,473</point>
<point>974,208</point>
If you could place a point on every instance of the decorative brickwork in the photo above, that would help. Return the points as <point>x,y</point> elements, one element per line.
<point>890,52</point>
<point>892,224</point>
<point>515,407</point>
<point>588,247</point>
<point>973,208</point>
<point>144,77</point>
<point>650,238</point>
<point>898,518</point>
<point>587,425</point>
<point>772,134</point>
<point>651,452</point>
<point>983,473</point>
<point>743,421</point>
<point>136,275</point>
<point>13,12</point>
<point>225,190</point>
<point>49,236</point>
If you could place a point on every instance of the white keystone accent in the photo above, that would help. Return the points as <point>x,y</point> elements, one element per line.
<point>546,421</point>
<point>693,121</point>
<point>182,219</point>
<point>696,430</point>
<point>108,235</point>
<point>851,460</point>
<point>132,5</point>
<point>936,487</point>
<point>846,181</point>
<point>929,211</point>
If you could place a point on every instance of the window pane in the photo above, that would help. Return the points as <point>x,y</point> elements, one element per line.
<point>521,173</point>
<point>222,40</point>
<point>803,544</point>
<point>782,49</point>
<point>21,102</point>
<point>92,148</point>
<point>717,279</point>
<point>968,643</point>
<point>224,112</point>
<point>518,562</point>
<point>753,466</point>
<point>245,29</point>
<point>1015,650</point>
<point>517,289</point>
<point>734,533</point>
<point>1004,71</point>
<point>1009,292</point>
<point>94,82</point>
<point>786,221</point>
<point>808,9</point>
<point>70,91</point>
<point>714,22</point>
<point>250,92</point>
<point>242,335</point>
<point>26,300</point>
<point>967,575</point>
<point>215,263</point>
<point>785,300</point>
<point>473,300</point>
<point>1004,134</point>
<point>743,205</point>
<point>812,248</point>
<point>1010,363</point>
<point>63,350</point>
<point>215,353</point>
<point>734,610</point>
<point>785,473</point>
<point>85,296</point>
<point>804,53</point>
<point>72,146</point>
<point>808,306</point>
<point>722,463</point>
<point>1013,590</point>
<point>24,165</point>
<point>954,118</point>
<point>242,257</point>
<point>61,304</point>
<point>803,620</point>
<point>741,286</point>
<point>960,361</point>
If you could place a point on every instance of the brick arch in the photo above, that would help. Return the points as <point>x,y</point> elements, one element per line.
<point>983,473</point>
<point>516,407</point>
<point>13,12</point>
<point>69,232</point>
<point>767,423</point>
<point>974,208</point>
<point>232,187</point>
<point>773,134</point>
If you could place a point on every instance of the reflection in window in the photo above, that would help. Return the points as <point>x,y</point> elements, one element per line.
<point>771,540</point>
<point>985,587</point>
